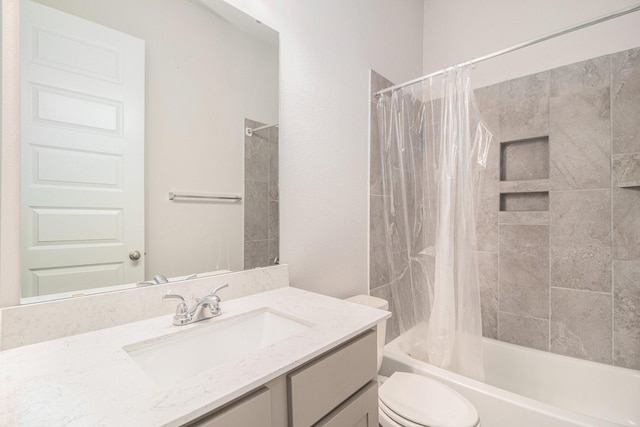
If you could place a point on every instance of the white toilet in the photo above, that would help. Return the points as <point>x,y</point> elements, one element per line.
<point>411,400</point>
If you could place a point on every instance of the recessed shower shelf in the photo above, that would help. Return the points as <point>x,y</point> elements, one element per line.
<point>524,159</point>
<point>524,180</point>
<point>524,202</point>
<point>523,218</point>
<point>529,186</point>
<point>628,184</point>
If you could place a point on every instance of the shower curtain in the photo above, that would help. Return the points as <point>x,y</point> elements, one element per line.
<point>433,150</point>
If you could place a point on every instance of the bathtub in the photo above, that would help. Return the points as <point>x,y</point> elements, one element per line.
<point>531,388</point>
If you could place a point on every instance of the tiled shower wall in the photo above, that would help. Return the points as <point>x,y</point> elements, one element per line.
<point>261,207</point>
<point>559,217</point>
<point>379,278</point>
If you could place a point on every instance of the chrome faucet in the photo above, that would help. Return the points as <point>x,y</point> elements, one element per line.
<point>205,308</point>
<point>158,279</point>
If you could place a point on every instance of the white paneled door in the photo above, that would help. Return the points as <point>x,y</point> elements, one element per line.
<point>82,153</point>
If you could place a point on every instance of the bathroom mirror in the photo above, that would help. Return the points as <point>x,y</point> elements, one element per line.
<point>204,68</point>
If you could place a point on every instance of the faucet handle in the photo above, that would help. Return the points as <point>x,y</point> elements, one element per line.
<point>182,306</point>
<point>173,296</point>
<point>182,311</point>
<point>215,298</point>
<point>218,288</point>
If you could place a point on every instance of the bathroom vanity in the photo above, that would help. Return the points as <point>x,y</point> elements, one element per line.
<point>336,389</point>
<point>284,357</point>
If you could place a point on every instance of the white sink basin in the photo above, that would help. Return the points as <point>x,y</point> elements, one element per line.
<point>184,354</point>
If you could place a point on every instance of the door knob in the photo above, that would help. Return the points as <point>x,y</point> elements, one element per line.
<point>134,255</point>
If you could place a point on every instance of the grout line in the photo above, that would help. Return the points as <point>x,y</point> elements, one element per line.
<point>611,204</point>
<point>630,153</point>
<point>498,226</point>
<point>580,290</point>
<point>549,206</point>
<point>526,316</point>
<point>580,190</point>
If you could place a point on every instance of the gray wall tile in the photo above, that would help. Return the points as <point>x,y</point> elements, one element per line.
<point>488,206</point>
<point>487,97</point>
<point>274,220</point>
<point>626,223</point>
<point>375,167</point>
<point>488,268</point>
<point>256,154</point>
<point>273,251</point>
<point>256,254</point>
<point>580,141</point>
<point>491,118</point>
<point>524,107</point>
<point>488,203</point>
<point>626,314</point>
<point>625,102</point>
<point>274,165</point>
<point>261,218</point>
<point>526,331</point>
<point>378,82</point>
<point>585,76</point>
<point>626,168</point>
<point>378,263</point>
<point>524,270</point>
<point>256,207</point>
<point>580,239</point>
<point>581,324</point>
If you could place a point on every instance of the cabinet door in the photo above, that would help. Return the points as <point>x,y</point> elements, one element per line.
<point>251,411</point>
<point>361,410</point>
<point>320,386</point>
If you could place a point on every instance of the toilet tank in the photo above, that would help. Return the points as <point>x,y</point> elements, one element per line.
<point>380,304</point>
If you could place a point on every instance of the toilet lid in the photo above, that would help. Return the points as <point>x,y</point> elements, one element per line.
<point>426,402</point>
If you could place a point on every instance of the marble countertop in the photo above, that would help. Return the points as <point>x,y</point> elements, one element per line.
<point>89,379</point>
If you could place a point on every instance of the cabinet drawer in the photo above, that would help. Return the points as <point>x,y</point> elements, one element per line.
<point>253,410</point>
<point>317,388</point>
<point>361,410</point>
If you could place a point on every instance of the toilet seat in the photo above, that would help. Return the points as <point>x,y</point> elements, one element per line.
<point>412,400</point>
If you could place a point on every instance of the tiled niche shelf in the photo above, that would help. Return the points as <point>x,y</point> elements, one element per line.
<point>524,181</point>
<point>524,202</point>
<point>629,184</point>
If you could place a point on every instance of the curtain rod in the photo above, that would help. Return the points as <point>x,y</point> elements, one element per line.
<point>519,46</point>
<point>249,131</point>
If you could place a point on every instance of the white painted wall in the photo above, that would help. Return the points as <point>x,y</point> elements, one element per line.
<point>203,77</point>
<point>459,30</point>
<point>326,50</point>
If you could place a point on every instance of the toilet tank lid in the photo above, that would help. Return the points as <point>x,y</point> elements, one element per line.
<point>370,301</point>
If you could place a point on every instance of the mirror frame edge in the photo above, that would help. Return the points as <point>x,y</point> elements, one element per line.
<point>10,156</point>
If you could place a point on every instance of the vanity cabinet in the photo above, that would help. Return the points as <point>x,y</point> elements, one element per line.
<point>336,389</point>
<point>360,410</point>
<point>320,386</point>
<point>252,410</point>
